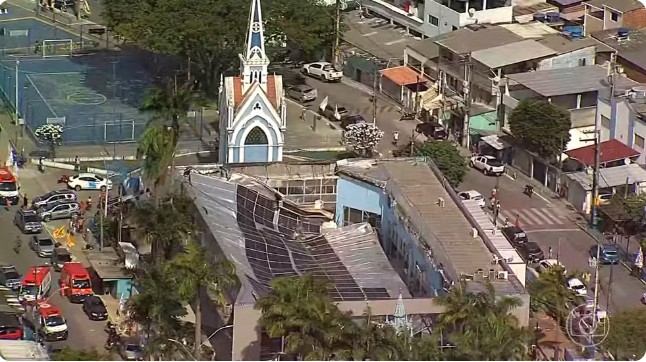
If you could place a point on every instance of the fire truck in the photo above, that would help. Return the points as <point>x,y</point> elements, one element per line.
<point>36,284</point>
<point>8,186</point>
<point>50,322</point>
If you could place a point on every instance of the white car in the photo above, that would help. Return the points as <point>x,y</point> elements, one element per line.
<point>577,286</point>
<point>473,195</point>
<point>89,181</point>
<point>489,165</point>
<point>323,70</point>
<point>545,264</point>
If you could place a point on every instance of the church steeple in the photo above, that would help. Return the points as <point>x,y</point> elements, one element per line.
<point>400,320</point>
<point>254,60</point>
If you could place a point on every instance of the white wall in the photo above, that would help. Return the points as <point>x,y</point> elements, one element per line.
<point>448,18</point>
<point>576,135</point>
<point>569,60</point>
<point>489,16</point>
<point>399,16</point>
<point>603,110</point>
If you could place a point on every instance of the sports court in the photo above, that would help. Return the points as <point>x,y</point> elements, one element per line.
<point>93,93</point>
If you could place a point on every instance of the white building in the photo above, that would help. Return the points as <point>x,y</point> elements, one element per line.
<point>252,105</point>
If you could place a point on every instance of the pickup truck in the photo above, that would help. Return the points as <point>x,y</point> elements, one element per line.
<point>322,70</point>
<point>489,165</point>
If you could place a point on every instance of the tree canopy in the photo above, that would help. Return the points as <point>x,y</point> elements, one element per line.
<point>69,354</point>
<point>212,32</point>
<point>627,337</point>
<point>542,127</point>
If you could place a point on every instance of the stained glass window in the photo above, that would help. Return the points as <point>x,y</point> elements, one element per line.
<point>256,137</point>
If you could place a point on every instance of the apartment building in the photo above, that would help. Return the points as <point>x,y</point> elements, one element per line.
<point>613,14</point>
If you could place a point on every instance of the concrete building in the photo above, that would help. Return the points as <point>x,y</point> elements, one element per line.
<point>631,51</point>
<point>252,106</point>
<point>613,14</point>
<point>435,17</point>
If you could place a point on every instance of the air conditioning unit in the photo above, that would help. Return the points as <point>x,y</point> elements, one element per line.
<point>503,275</point>
<point>474,233</point>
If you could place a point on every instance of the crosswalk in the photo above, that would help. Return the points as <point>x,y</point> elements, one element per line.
<point>535,216</point>
<point>11,299</point>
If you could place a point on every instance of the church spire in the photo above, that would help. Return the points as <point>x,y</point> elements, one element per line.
<point>254,60</point>
<point>400,320</point>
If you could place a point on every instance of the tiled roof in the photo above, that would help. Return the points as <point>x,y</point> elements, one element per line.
<point>611,150</point>
<point>402,75</point>
<point>271,90</point>
<point>272,94</point>
<point>237,90</point>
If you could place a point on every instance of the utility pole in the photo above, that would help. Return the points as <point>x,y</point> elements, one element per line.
<point>337,34</point>
<point>466,95</point>
<point>595,303</point>
<point>17,113</point>
<point>374,94</point>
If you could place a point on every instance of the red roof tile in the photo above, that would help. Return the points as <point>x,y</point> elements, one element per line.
<point>402,75</point>
<point>271,90</point>
<point>237,90</point>
<point>612,150</point>
<point>238,97</point>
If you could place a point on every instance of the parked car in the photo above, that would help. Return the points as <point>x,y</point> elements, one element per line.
<point>604,199</point>
<point>609,254</point>
<point>489,165</point>
<point>53,196</point>
<point>545,264</point>
<point>59,210</point>
<point>323,70</point>
<point>350,120</point>
<point>27,221</point>
<point>89,181</point>
<point>42,245</point>
<point>432,130</point>
<point>473,195</point>
<point>131,349</point>
<point>530,252</point>
<point>60,257</point>
<point>587,309</point>
<point>301,92</point>
<point>9,277</point>
<point>514,234</point>
<point>330,110</point>
<point>94,308</point>
<point>577,286</point>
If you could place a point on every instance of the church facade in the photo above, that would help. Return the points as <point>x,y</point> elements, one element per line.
<point>252,105</point>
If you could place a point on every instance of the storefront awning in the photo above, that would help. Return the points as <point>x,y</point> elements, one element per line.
<point>403,75</point>
<point>495,142</point>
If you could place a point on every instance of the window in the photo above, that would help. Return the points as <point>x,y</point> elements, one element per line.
<point>454,28</point>
<point>256,137</point>
<point>639,141</point>
<point>354,216</point>
<point>614,16</point>
<point>582,62</point>
<point>433,20</point>
<point>605,122</point>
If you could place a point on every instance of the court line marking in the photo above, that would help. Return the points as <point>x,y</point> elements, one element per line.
<point>41,95</point>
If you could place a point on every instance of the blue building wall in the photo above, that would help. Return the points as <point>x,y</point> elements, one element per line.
<point>402,248</point>
<point>120,287</point>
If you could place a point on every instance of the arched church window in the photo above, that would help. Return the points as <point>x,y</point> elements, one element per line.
<point>256,137</point>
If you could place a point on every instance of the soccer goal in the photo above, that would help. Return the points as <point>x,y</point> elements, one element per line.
<point>57,48</point>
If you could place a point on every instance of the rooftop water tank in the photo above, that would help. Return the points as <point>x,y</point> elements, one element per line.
<point>575,32</point>
<point>622,33</point>
<point>539,17</point>
<point>553,17</point>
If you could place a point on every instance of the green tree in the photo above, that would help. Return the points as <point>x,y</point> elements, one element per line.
<point>541,127</point>
<point>444,154</point>
<point>627,337</point>
<point>69,354</point>
<point>163,227</point>
<point>156,144</point>
<point>550,293</point>
<point>370,341</point>
<point>196,275</point>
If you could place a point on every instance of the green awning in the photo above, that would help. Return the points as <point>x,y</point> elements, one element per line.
<point>484,123</point>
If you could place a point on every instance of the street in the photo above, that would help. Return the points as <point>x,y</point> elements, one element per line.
<point>83,333</point>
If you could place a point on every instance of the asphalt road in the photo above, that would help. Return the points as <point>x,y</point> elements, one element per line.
<point>551,224</point>
<point>83,333</point>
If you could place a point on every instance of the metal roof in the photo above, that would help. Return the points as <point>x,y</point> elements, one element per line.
<point>611,150</point>
<point>465,40</point>
<point>610,176</point>
<point>555,82</point>
<point>513,53</point>
<point>563,44</point>
<point>632,50</point>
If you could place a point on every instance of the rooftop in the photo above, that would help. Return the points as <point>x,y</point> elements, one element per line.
<point>632,49</point>
<point>377,37</point>
<point>267,237</point>
<point>466,40</point>
<point>512,53</point>
<point>555,82</point>
<point>622,6</point>
<point>611,150</point>
<point>402,75</point>
<point>428,47</point>
<point>562,44</point>
<point>531,30</point>
<point>107,264</point>
<point>445,231</point>
<point>610,176</point>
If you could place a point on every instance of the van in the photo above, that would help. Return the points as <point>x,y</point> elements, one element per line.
<point>36,284</point>
<point>75,282</point>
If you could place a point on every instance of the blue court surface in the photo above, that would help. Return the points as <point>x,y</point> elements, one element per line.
<point>96,94</point>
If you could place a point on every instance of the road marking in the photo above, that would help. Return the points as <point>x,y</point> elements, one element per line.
<point>551,230</point>
<point>371,33</point>
<point>542,216</point>
<point>401,40</point>
<point>534,216</point>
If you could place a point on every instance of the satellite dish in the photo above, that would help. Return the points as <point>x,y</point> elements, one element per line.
<point>627,161</point>
<point>472,12</point>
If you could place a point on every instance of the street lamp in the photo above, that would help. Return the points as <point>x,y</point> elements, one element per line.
<point>184,347</point>
<point>214,333</point>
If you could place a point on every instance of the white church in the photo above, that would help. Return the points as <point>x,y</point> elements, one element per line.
<point>252,105</point>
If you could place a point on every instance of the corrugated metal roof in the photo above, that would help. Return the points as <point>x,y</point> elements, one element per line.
<point>465,40</point>
<point>513,53</point>
<point>610,176</point>
<point>562,44</point>
<point>555,82</point>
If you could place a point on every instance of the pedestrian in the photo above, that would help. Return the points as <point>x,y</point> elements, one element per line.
<point>303,113</point>
<point>25,201</point>
<point>549,252</point>
<point>37,47</point>
<point>77,164</point>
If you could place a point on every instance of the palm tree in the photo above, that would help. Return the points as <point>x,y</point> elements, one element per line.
<point>550,293</point>
<point>156,144</point>
<point>460,306</point>
<point>163,227</point>
<point>371,342</point>
<point>490,338</point>
<point>195,274</point>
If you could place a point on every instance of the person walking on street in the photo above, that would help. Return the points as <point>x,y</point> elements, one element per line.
<point>77,164</point>
<point>25,201</point>
<point>549,252</point>
<point>303,113</point>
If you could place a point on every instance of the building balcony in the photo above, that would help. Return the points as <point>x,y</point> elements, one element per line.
<point>411,18</point>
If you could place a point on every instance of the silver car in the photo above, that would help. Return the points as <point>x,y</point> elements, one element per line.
<point>302,93</point>
<point>131,349</point>
<point>59,210</point>
<point>42,245</point>
<point>52,197</point>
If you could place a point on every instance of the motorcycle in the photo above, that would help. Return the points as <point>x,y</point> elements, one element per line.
<point>529,190</point>
<point>41,166</point>
<point>110,328</point>
<point>64,179</point>
<point>408,116</point>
